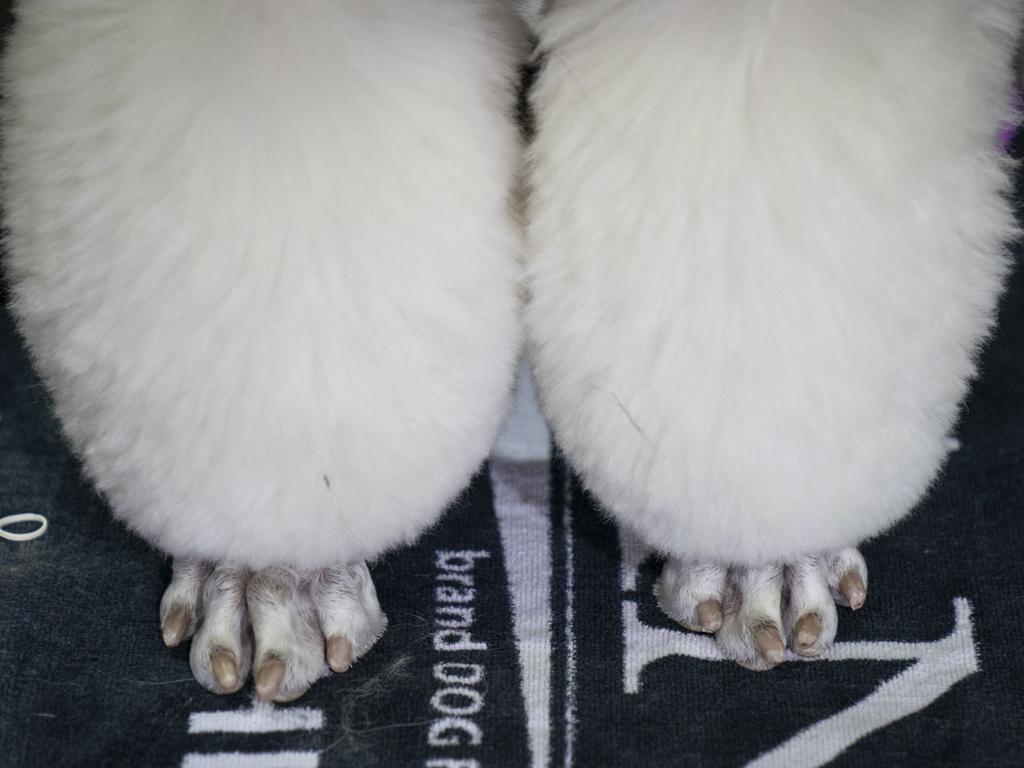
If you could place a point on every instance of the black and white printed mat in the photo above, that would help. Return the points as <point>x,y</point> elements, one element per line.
<point>523,630</point>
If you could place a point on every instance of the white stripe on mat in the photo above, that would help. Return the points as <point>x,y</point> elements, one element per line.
<point>253,760</point>
<point>259,719</point>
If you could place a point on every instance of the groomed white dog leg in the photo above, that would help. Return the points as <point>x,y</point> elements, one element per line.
<point>765,243</point>
<point>262,254</point>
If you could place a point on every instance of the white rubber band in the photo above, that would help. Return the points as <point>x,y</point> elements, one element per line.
<point>27,517</point>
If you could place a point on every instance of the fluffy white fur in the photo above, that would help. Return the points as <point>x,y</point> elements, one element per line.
<point>765,242</point>
<point>262,255</point>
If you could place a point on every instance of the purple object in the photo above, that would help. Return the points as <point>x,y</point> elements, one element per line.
<point>1008,128</point>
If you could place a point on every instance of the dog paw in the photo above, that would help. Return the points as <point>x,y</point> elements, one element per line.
<point>286,627</point>
<point>756,613</point>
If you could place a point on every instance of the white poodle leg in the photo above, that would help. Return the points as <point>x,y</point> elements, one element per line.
<point>273,290</point>
<point>766,242</point>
